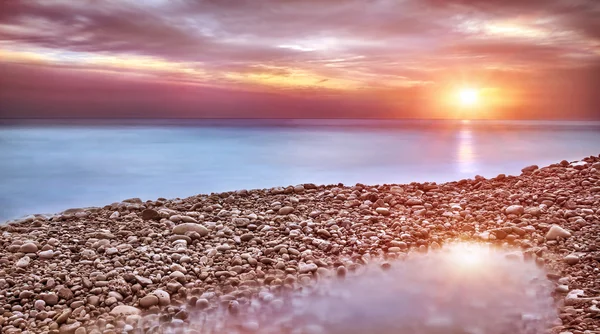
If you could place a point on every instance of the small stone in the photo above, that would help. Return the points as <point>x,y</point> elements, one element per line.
<point>23,262</point>
<point>123,310</point>
<point>341,271</point>
<point>163,297</point>
<point>114,215</point>
<point>240,222</point>
<point>148,301</point>
<point>111,251</point>
<point>69,328</point>
<point>188,227</point>
<point>62,318</point>
<point>529,169</point>
<point>93,300</point>
<point>556,231</point>
<point>571,259</point>
<point>307,268</point>
<point>515,210</point>
<point>39,305</point>
<point>50,298</point>
<point>143,280</point>
<point>29,247</point>
<point>383,211</point>
<point>414,201</point>
<point>47,254</point>
<point>110,300</point>
<point>149,214</point>
<point>247,236</point>
<point>286,210</point>
<point>65,293</point>
<point>202,303</point>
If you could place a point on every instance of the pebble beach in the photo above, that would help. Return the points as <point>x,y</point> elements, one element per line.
<point>276,260</point>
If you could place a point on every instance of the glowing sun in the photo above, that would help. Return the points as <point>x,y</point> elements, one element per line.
<point>468,96</point>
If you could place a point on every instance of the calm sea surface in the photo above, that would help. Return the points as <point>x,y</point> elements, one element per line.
<point>47,167</point>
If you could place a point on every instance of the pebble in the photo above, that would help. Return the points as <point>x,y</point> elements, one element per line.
<point>202,303</point>
<point>23,262</point>
<point>39,305</point>
<point>70,328</point>
<point>47,254</point>
<point>149,214</point>
<point>123,310</point>
<point>286,210</point>
<point>571,259</point>
<point>307,268</point>
<point>29,247</point>
<point>163,297</point>
<point>515,210</point>
<point>148,301</point>
<point>556,231</point>
<point>50,298</point>
<point>190,227</point>
<point>383,211</point>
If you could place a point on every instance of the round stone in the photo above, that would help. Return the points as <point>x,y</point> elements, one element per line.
<point>29,247</point>
<point>148,301</point>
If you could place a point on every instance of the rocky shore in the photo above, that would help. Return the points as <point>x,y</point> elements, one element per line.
<point>162,266</point>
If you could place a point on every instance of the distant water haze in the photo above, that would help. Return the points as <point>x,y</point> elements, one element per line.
<point>52,166</point>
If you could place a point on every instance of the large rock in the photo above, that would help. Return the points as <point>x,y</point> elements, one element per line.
<point>190,227</point>
<point>515,210</point>
<point>557,231</point>
<point>124,310</point>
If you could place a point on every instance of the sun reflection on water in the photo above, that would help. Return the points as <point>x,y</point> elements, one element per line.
<point>466,153</point>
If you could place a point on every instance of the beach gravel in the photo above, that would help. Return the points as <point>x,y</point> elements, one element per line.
<point>145,265</point>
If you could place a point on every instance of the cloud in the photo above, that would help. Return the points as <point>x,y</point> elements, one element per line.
<point>396,51</point>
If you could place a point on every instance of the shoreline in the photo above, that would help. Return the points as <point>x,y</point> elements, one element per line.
<point>103,270</point>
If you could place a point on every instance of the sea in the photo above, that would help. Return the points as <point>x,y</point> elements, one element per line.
<point>47,166</point>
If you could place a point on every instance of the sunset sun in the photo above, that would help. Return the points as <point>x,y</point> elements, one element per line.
<point>468,96</point>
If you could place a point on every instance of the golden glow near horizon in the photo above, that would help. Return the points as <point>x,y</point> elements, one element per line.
<point>468,97</point>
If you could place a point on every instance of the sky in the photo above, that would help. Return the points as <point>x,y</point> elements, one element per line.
<point>534,59</point>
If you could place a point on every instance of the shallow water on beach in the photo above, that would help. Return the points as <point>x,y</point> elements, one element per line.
<point>464,288</point>
<point>48,167</point>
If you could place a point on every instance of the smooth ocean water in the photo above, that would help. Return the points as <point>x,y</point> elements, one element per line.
<point>48,167</point>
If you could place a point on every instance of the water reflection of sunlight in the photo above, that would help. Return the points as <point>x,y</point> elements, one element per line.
<point>466,154</point>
